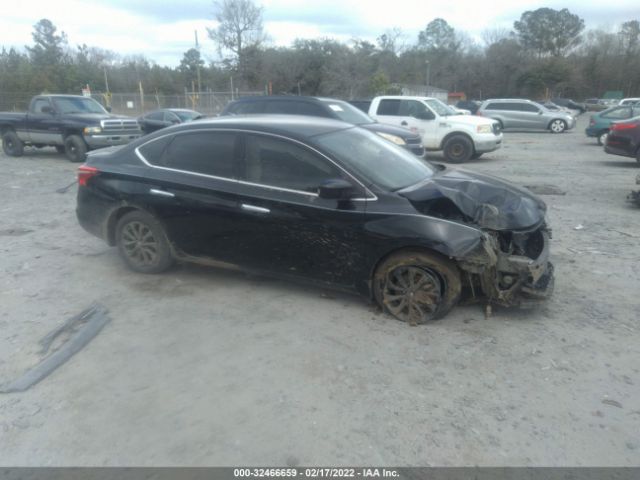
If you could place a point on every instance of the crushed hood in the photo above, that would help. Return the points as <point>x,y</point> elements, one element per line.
<point>487,201</point>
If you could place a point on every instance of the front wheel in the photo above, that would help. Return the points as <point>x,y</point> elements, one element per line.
<point>458,149</point>
<point>416,287</point>
<point>12,145</point>
<point>558,126</point>
<point>602,138</point>
<point>76,148</point>
<point>142,243</point>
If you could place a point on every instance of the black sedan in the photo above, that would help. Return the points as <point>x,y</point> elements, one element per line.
<point>157,119</point>
<point>322,201</point>
<point>624,138</point>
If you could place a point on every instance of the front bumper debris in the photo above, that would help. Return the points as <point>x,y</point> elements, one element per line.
<point>513,269</point>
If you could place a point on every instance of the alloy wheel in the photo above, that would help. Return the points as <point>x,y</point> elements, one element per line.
<point>412,294</point>
<point>139,244</point>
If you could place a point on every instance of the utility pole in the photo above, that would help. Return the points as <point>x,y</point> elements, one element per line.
<point>428,72</point>
<point>198,64</point>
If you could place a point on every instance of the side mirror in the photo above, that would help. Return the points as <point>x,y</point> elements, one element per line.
<point>47,109</point>
<point>336,189</point>
<point>108,109</point>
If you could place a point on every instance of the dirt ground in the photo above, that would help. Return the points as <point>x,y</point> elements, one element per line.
<point>205,367</point>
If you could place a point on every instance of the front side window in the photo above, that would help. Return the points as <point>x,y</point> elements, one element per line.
<point>284,164</point>
<point>209,153</point>
<point>439,107</point>
<point>78,105</point>
<point>528,107</point>
<point>375,159</point>
<point>156,116</point>
<point>412,108</point>
<point>39,104</point>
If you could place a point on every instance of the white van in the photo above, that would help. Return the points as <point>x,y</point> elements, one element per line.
<point>460,137</point>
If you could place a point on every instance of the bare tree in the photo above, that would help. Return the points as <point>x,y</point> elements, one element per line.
<point>239,29</point>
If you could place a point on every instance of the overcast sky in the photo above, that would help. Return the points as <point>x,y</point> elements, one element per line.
<point>163,30</point>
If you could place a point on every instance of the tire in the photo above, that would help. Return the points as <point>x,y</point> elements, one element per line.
<point>602,137</point>
<point>476,155</point>
<point>12,145</point>
<point>458,149</point>
<point>75,148</point>
<point>416,286</point>
<point>142,243</point>
<point>557,126</point>
<point>60,149</point>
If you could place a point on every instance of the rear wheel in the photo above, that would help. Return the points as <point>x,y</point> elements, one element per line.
<point>75,148</point>
<point>458,149</point>
<point>557,126</point>
<point>416,287</point>
<point>12,145</point>
<point>602,137</point>
<point>60,149</point>
<point>142,243</point>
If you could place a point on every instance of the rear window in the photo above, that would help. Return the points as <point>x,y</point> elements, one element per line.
<point>283,107</point>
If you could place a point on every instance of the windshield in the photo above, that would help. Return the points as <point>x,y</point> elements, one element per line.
<point>439,107</point>
<point>187,115</point>
<point>348,113</point>
<point>374,158</point>
<point>78,105</point>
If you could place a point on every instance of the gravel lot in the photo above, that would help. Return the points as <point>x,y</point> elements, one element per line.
<point>206,367</point>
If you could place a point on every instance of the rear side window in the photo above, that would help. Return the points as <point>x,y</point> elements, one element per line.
<point>389,107</point>
<point>279,163</point>
<point>209,153</point>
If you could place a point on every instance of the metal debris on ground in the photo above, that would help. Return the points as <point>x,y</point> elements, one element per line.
<point>545,189</point>
<point>81,328</point>
<point>613,403</point>
<point>579,227</point>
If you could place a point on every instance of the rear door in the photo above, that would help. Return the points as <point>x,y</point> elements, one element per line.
<point>192,189</point>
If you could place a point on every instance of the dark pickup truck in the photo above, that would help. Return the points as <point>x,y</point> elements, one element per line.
<point>70,123</point>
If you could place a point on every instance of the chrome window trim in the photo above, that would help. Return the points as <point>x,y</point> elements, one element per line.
<point>373,197</point>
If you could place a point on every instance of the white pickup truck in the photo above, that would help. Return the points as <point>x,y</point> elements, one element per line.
<point>460,137</point>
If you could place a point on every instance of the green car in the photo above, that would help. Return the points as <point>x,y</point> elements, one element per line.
<point>601,122</point>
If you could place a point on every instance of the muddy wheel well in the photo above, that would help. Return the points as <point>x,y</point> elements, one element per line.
<point>113,221</point>
<point>407,249</point>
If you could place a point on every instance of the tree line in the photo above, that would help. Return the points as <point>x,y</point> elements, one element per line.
<point>547,53</point>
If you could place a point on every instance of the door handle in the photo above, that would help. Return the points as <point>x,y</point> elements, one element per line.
<point>162,193</point>
<point>404,124</point>
<point>253,208</point>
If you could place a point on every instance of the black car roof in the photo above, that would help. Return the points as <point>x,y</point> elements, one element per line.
<point>292,98</point>
<point>293,126</point>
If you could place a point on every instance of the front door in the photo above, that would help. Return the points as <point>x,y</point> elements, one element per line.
<point>285,227</point>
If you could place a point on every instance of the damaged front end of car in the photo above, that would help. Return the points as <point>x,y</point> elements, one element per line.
<point>510,264</point>
<point>510,268</point>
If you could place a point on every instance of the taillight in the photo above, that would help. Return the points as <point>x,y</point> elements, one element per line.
<point>623,126</point>
<point>86,172</point>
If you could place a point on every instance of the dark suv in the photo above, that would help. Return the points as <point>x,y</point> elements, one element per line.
<point>326,108</point>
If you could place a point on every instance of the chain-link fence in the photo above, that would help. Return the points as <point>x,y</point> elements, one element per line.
<point>134,104</point>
